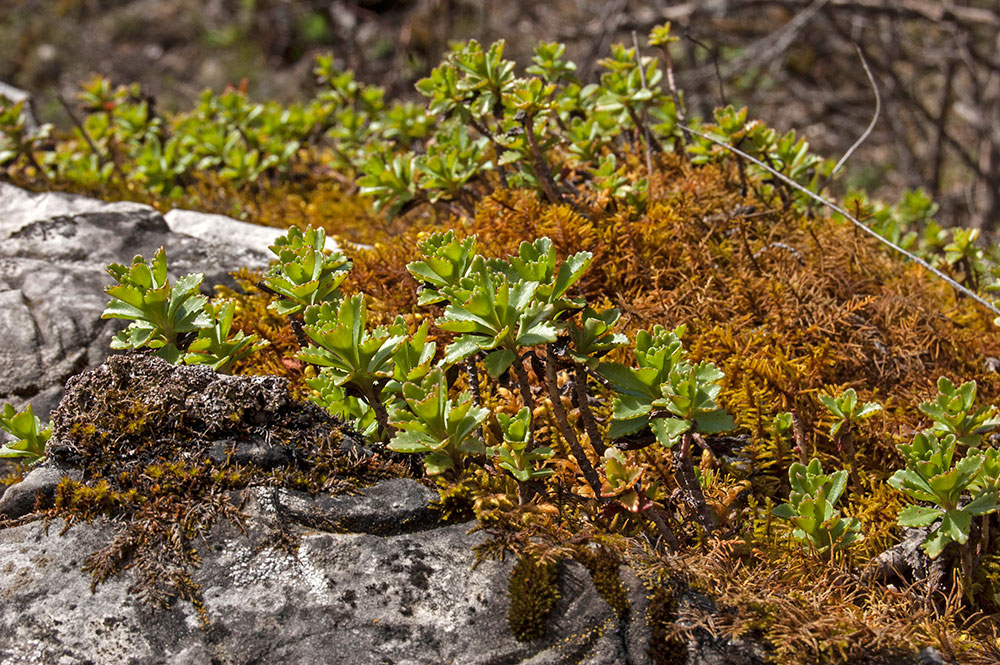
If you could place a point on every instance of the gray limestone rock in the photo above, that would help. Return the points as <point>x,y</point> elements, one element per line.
<point>39,485</point>
<point>220,229</point>
<point>338,598</point>
<point>53,251</point>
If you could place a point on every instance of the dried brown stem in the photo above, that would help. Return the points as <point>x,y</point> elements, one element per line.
<point>589,424</point>
<point>688,482</point>
<point>523,384</point>
<point>799,432</point>
<point>564,427</point>
<point>538,162</point>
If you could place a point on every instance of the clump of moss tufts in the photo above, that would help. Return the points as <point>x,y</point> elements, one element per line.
<point>455,502</point>
<point>533,592</point>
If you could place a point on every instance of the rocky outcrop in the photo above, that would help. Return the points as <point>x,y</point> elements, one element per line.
<point>53,251</point>
<point>366,577</point>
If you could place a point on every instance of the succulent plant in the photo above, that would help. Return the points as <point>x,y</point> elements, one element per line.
<point>29,436</point>
<point>665,393</point>
<point>160,313</point>
<point>954,412</point>
<point>955,487</point>
<point>811,511</point>
<point>847,411</point>
<point>621,480</point>
<point>432,423</point>
<point>304,274</point>
<point>513,454</point>
<point>214,346</point>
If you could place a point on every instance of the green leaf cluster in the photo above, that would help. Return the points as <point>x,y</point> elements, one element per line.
<point>430,422</point>
<point>621,480</point>
<point>29,436</point>
<point>175,320</point>
<point>665,393</point>
<point>958,489</point>
<point>847,411</point>
<point>305,273</point>
<point>19,142</point>
<point>160,312</point>
<point>345,349</point>
<point>513,454</point>
<point>954,412</point>
<point>499,307</point>
<point>811,511</point>
<point>216,346</point>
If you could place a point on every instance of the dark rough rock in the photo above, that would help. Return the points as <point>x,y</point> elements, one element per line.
<point>53,251</point>
<point>220,415</point>
<point>393,506</point>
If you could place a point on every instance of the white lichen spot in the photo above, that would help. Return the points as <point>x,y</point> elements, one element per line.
<point>249,568</point>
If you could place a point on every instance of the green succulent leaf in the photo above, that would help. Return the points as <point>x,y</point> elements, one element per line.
<point>916,516</point>
<point>499,362</point>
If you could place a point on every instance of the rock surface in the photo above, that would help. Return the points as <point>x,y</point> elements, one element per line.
<point>53,251</point>
<point>341,598</point>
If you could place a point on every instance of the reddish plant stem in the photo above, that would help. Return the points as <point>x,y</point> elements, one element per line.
<point>847,447</point>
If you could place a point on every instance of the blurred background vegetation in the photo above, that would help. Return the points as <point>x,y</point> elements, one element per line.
<point>793,62</point>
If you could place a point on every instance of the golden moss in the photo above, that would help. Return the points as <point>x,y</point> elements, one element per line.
<point>533,592</point>
<point>789,306</point>
<point>455,502</point>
